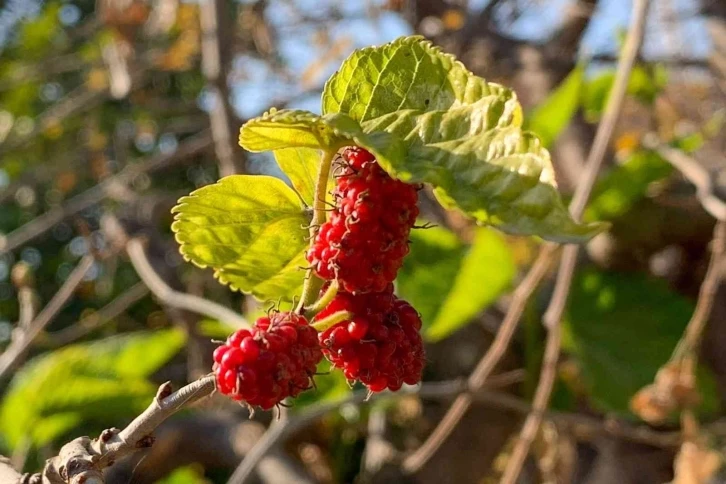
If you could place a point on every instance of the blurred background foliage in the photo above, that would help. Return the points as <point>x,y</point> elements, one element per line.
<point>106,107</point>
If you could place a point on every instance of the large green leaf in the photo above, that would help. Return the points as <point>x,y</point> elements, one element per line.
<point>459,133</point>
<point>553,115</point>
<point>429,120</point>
<point>450,284</point>
<point>622,328</point>
<point>621,187</point>
<point>89,383</point>
<point>406,74</point>
<point>250,230</point>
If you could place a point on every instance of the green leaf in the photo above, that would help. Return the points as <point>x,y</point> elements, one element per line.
<point>553,115</point>
<point>622,328</point>
<point>487,271</point>
<point>458,132</point>
<point>624,185</point>
<point>301,167</point>
<point>406,74</point>
<point>645,84</point>
<point>250,230</point>
<point>84,383</point>
<point>288,128</point>
<point>429,270</point>
<point>450,284</point>
<point>429,120</point>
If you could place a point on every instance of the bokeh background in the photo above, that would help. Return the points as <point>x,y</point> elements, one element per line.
<point>119,107</point>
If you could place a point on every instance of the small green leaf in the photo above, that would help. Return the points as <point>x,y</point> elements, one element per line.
<point>301,166</point>
<point>450,284</point>
<point>250,230</point>
<point>553,115</point>
<point>88,383</point>
<point>487,271</point>
<point>622,328</point>
<point>618,190</point>
<point>288,128</point>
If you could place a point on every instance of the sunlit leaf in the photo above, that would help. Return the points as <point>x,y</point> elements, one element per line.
<point>250,230</point>
<point>301,166</point>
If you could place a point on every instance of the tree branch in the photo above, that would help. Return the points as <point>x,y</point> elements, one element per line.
<point>167,295</point>
<point>83,460</point>
<point>554,312</point>
<point>19,345</point>
<point>486,365</point>
<point>694,172</point>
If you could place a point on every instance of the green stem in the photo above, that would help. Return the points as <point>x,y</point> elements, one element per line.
<point>312,284</point>
<point>324,300</point>
<point>330,321</point>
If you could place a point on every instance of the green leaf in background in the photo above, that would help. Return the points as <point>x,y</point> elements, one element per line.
<point>185,475</point>
<point>645,84</point>
<point>487,271</point>
<point>88,383</point>
<point>553,115</point>
<point>450,284</point>
<point>250,230</point>
<point>624,185</point>
<point>622,328</point>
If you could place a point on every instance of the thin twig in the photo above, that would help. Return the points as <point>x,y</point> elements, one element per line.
<point>83,459</point>
<point>553,314</point>
<point>215,67</point>
<point>167,295</point>
<point>695,172</point>
<point>486,365</point>
<point>20,345</point>
<point>98,318</point>
<point>706,295</point>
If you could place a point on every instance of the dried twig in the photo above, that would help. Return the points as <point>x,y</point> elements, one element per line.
<point>706,295</point>
<point>98,318</point>
<point>167,295</point>
<point>554,312</point>
<point>486,365</point>
<point>19,345</point>
<point>695,172</point>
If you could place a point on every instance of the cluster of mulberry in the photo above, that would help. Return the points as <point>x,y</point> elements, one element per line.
<point>361,246</point>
